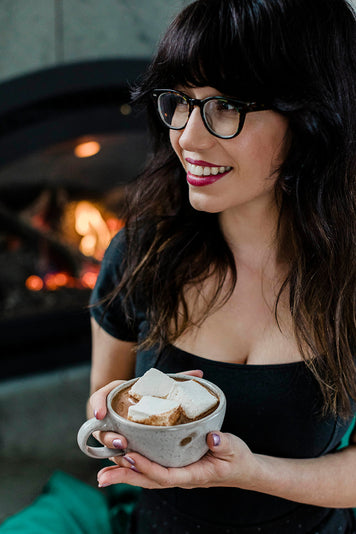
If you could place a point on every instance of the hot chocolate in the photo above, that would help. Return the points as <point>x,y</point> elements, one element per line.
<point>123,400</point>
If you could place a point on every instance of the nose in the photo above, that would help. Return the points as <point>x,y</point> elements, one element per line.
<point>195,135</point>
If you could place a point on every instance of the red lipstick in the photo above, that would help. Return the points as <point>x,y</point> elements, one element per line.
<point>204,180</point>
<point>200,179</point>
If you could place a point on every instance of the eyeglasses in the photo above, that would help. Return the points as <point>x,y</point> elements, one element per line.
<point>222,116</point>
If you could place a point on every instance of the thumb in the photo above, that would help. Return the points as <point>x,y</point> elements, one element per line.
<point>220,443</point>
<point>97,400</point>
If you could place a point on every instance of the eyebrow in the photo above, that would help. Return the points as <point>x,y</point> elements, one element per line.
<point>184,91</point>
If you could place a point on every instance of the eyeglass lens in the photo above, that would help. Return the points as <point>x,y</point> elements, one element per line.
<point>221,117</point>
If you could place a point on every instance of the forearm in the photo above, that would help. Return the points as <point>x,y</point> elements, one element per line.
<point>328,481</point>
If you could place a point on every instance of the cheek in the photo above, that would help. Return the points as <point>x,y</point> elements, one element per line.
<point>263,154</point>
<point>174,136</point>
<point>174,139</point>
<point>266,140</point>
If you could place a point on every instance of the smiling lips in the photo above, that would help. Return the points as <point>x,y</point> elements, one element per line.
<point>200,173</point>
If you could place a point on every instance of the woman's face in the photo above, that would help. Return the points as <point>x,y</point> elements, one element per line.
<point>245,165</point>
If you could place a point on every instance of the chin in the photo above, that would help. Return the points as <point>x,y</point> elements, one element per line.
<point>203,204</point>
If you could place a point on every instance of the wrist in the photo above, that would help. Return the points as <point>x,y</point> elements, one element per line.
<point>256,474</point>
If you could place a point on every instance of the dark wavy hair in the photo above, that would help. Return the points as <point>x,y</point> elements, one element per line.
<point>300,57</point>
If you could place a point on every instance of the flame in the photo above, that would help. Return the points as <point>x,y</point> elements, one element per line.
<point>95,235</point>
<point>95,231</point>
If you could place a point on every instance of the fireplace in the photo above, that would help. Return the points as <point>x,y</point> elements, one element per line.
<point>69,144</point>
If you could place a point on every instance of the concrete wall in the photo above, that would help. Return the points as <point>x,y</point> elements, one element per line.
<point>37,34</point>
<point>40,416</point>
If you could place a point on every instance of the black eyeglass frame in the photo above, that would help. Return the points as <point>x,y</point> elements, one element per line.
<point>243,108</point>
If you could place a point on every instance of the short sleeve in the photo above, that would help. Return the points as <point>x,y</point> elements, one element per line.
<point>114,318</point>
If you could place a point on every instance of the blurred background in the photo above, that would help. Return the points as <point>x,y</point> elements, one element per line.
<point>69,142</point>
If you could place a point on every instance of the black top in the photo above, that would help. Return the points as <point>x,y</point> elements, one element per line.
<point>275,409</point>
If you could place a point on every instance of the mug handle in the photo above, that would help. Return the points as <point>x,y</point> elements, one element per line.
<point>85,431</point>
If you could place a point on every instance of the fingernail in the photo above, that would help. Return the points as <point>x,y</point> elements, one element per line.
<point>216,440</point>
<point>96,414</point>
<point>103,485</point>
<point>130,460</point>
<point>117,443</point>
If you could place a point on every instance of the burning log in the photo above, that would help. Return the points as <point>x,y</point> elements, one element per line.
<point>17,225</point>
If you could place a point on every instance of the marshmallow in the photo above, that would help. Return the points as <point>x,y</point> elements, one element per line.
<point>155,411</point>
<point>153,383</point>
<point>194,398</point>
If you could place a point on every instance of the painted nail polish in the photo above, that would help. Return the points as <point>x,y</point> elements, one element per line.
<point>130,460</point>
<point>216,440</point>
<point>117,443</point>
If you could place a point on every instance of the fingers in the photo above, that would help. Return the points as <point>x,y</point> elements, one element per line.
<point>121,475</point>
<point>125,472</point>
<point>111,440</point>
<point>98,399</point>
<point>137,470</point>
<point>213,469</point>
<point>223,445</point>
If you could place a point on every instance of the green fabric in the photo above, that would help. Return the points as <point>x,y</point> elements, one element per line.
<point>121,499</point>
<point>69,506</point>
<point>345,439</point>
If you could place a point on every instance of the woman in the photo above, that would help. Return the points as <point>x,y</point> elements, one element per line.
<point>237,262</point>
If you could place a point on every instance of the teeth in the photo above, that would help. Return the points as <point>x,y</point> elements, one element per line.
<point>198,170</point>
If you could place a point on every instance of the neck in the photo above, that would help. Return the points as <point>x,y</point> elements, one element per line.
<point>252,236</point>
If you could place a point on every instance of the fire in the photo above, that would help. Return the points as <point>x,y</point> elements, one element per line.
<point>95,231</point>
<point>56,280</point>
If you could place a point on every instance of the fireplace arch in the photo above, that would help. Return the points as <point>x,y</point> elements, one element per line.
<point>44,116</point>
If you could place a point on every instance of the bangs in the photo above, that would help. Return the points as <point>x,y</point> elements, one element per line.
<point>199,49</point>
<point>252,50</point>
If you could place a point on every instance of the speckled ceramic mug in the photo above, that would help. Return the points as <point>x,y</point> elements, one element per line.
<point>171,446</point>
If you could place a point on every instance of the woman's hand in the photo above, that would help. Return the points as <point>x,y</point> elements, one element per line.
<point>98,405</point>
<point>97,402</point>
<point>229,462</point>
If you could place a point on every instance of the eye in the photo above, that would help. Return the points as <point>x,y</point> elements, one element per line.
<point>224,106</point>
<point>181,102</point>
